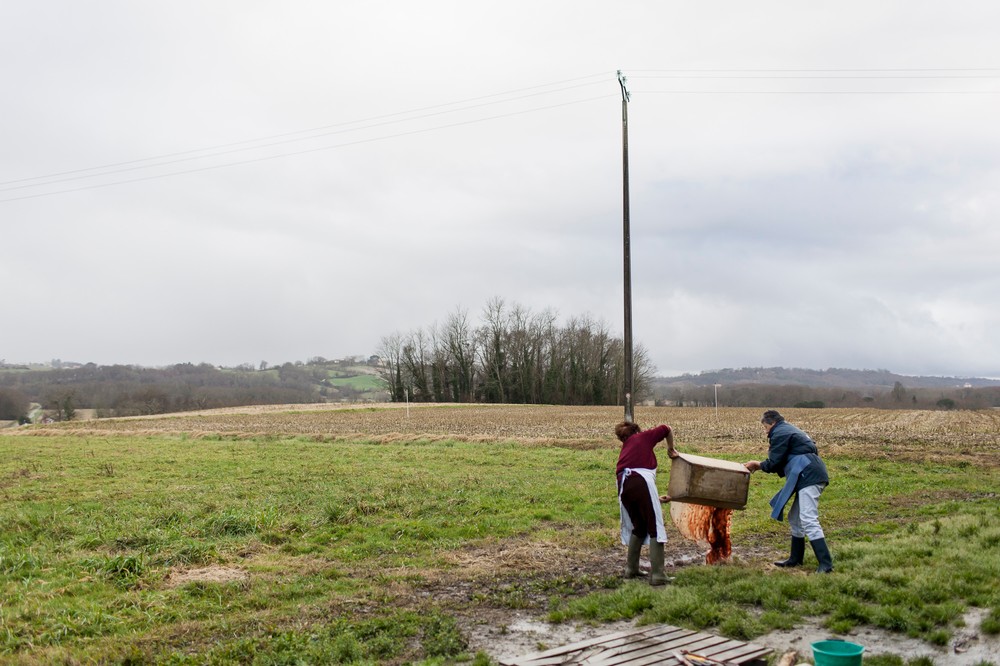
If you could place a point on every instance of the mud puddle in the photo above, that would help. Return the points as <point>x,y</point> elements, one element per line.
<point>522,634</point>
<point>967,647</point>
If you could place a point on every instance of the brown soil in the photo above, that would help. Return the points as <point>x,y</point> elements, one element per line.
<point>968,436</point>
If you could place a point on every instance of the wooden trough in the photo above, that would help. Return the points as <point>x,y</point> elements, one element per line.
<point>653,644</point>
<point>708,481</point>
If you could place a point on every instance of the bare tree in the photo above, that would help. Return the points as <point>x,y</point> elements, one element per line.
<point>643,372</point>
<point>440,368</point>
<point>415,360</point>
<point>461,347</point>
<point>391,352</point>
<point>493,342</point>
<point>530,350</point>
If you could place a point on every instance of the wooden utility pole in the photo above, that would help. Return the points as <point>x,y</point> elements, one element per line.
<point>629,416</point>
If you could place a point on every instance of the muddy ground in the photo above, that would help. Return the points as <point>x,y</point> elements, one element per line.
<point>525,633</point>
<point>502,603</point>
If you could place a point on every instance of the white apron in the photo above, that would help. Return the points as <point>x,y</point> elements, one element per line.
<point>649,475</point>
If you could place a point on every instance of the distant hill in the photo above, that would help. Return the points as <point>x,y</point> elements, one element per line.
<point>831,378</point>
<point>66,389</point>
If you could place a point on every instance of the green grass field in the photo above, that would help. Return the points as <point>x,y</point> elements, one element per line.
<point>359,382</point>
<point>178,548</point>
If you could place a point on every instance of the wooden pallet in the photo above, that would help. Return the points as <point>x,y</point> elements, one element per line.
<point>653,644</point>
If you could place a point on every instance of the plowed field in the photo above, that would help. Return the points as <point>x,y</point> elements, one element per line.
<point>898,435</point>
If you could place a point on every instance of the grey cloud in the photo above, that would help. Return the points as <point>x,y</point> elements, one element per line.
<point>870,219</point>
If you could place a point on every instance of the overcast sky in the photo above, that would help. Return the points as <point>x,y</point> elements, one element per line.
<point>812,184</point>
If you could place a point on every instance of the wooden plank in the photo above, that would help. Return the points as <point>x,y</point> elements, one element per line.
<point>724,649</point>
<point>598,652</point>
<point>557,655</point>
<point>541,657</point>
<point>664,651</point>
<point>624,653</point>
<point>616,651</point>
<point>637,650</point>
<point>742,653</point>
<point>731,651</point>
<point>643,646</point>
<point>721,648</point>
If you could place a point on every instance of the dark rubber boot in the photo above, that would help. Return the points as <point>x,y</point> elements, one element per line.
<point>632,563</point>
<point>823,556</point>
<point>798,552</point>
<point>656,575</point>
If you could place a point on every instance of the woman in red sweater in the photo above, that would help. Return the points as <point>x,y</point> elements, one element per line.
<point>639,503</point>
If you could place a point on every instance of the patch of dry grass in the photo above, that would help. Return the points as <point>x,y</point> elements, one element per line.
<point>210,574</point>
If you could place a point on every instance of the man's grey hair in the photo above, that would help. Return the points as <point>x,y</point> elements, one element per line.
<point>771,417</point>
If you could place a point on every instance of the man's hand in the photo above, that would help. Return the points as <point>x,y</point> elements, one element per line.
<point>752,466</point>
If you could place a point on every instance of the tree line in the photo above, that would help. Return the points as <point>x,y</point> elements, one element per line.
<point>125,390</point>
<point>786,395</point>
<point>511,355</point>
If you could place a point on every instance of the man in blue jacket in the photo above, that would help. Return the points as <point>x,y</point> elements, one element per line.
<point>793,455</point>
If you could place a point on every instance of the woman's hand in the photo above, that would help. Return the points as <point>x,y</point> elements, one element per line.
<point>671,451</point>
<point>665,498</point>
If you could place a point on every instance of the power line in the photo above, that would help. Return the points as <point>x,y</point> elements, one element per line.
<point>819,92</point>
<point>300,152</point>
<point>320,131</point>
<point>257,146</point>
<point>469,104</point>
<point>901,74</point>
<point>911,69</point>
<point>820,78</point>
<point>219,147</point>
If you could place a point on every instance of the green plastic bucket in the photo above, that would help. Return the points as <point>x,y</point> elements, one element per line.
<point>837,653</point>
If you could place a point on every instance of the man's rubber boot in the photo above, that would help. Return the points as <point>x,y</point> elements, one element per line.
<point>798,552</point>
<point>823,556</point>
<point>632,563</point>
<point>656,575</point>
